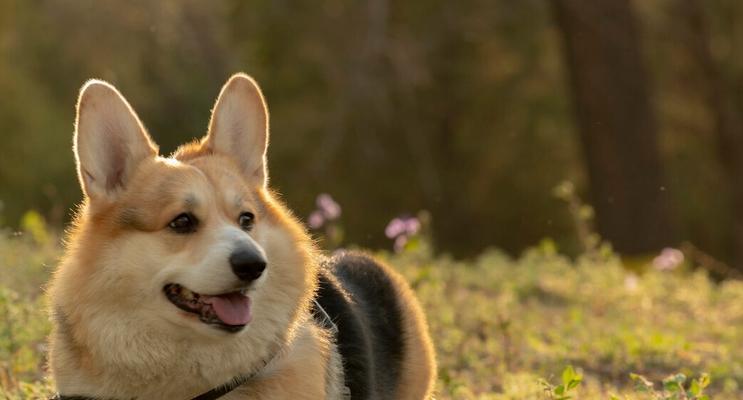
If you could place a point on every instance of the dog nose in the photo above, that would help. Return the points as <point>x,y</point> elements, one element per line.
<point>247,265</point>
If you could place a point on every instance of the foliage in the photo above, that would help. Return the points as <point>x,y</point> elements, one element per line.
<point>25,261</point>
<point>499,324</point>
<point>582,216</point>
<point>565,390</point>
<point>673,387</point>
<point>460,108</point>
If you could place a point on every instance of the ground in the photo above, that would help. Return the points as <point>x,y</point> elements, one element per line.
<point>504,328</point>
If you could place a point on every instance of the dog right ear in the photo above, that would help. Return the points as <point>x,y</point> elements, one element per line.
<point>110,140</point>
<point>239,127</point>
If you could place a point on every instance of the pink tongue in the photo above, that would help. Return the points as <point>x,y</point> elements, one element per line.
<point>232,308</point>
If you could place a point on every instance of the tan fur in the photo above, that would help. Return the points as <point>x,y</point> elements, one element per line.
<point>115,334</point>
<point>418,364</point>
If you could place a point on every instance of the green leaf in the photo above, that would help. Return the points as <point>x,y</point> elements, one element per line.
<point>671,386</point>
<point>674,383</point>
<point>704,380</point>
<point>33,223</point>
<point>695,389</point>
<point>568,374</point>
<point>560,389</point>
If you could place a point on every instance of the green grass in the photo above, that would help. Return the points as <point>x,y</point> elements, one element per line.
<point>504,328</point>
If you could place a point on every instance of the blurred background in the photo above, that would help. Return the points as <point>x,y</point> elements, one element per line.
<point>502,119</point>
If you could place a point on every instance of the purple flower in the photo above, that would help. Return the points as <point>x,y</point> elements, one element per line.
<point>668,259</point>
<point>400,243</point>
<point>327,211</point>
<point>400,229</point>
<point>395,228</point>
<point>412,226</point>
<point>402,226</point>
<point>316,220</point>
<point>328,207</point>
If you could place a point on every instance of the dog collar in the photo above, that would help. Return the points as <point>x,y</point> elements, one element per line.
<point>213,394</point>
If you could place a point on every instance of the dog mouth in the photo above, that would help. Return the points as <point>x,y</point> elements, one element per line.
<point>229,311</point>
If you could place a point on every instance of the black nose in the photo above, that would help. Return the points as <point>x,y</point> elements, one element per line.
<point>248,265</point>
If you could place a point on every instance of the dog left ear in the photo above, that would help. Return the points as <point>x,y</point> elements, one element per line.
<point>239,127</point>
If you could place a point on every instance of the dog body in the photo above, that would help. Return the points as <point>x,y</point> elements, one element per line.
<point>185,273</point>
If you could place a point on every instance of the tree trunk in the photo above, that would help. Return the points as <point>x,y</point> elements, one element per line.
<point>728,122</point>
<point>616,123</point>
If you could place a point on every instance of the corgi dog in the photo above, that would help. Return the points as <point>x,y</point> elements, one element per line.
<point>185,277</point>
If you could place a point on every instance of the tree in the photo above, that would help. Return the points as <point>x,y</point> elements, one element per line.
<point>617,126</point>
<point>720,100</point>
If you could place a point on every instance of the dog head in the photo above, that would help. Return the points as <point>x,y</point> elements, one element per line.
<point>193,245</point>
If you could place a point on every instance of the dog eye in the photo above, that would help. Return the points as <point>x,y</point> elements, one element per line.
<point>246,220</point>
<point>183,223</point>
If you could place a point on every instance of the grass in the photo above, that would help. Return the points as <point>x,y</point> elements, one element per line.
<point>504,328</point>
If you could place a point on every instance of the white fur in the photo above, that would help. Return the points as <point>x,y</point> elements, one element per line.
<point>140,337</point>
<point>212,274</point>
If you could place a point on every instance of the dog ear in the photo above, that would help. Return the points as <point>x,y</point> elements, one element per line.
<point>239,127</point>
<point>110,141</point>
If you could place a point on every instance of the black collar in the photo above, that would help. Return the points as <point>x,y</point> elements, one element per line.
<point>320,316</point>
<point>213,394</point>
